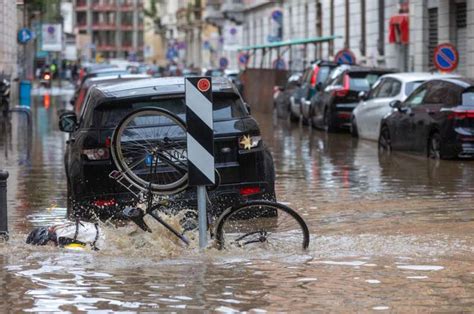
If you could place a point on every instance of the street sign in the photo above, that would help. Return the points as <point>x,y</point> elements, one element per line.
<point>24,35</point>
<point>345,56</point>
<point>244,58</point>
<point>446,57</point>
<point>51,37</point>
<point>223,62</point>
<point>279,64</point>
<point>200,143</point>
<point>200,132</point>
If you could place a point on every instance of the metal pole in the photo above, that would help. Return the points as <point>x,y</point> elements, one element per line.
<point>202,216</point>
<point>3,206</point>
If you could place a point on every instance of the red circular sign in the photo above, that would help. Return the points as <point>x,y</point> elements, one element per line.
<point>345,56</point>
<point>203,85</point>
<point>446,57</point>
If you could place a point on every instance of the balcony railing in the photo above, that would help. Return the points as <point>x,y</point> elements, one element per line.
<point>103,26</point>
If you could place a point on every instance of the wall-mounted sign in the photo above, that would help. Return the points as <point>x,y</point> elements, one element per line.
<point>276,26</point>
<point>446,57</point>
<point>51,37</point>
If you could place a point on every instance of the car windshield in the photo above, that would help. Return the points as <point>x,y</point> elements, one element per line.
<point>411,86</point>
<point>109,115</point>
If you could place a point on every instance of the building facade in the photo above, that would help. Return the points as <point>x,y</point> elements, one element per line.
<point>110,29</point>
<point>399,34</point>
<point>8,38</point>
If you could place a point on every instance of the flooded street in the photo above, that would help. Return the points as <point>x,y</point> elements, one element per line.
<point>391,235</point>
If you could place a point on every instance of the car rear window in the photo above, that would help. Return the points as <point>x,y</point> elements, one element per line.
<point>468,99</point>
<point>362,81</point>
<point>323,74</point>
<point>109,115</point>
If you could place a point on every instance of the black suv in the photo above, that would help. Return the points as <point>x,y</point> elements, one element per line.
<point>246,167</point>
<point>331,108</point>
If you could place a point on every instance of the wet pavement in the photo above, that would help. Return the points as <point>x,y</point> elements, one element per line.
<point>389,235</point>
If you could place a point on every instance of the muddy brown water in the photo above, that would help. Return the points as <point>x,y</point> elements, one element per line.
<point>391,235</point>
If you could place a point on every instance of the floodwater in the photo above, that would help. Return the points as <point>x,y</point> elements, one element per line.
<point>390,235</point>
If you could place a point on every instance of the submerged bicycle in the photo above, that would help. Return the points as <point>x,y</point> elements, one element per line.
<point>149,150</point>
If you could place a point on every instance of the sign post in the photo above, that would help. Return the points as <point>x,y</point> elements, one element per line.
<point>345,56</point>
<point>200,144</point>
<point>446,57</point>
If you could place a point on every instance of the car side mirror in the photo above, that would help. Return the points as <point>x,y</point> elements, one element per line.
<point>68,122</point>
<point>362,95</point>
<point>247,106</point>
<point>395,104</point>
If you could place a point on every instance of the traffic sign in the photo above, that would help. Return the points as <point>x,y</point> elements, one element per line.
<point>279,64</point>
<point>200,133</point>
<point>24,35</point>
<point>200,144</point>
<point>223,62</point>
<point>345,56</point>
<point>446,57</point>
<point>244,58</point>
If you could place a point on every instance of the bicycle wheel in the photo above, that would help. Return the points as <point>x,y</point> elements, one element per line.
<point>262,224</point>
<point>149,147</point>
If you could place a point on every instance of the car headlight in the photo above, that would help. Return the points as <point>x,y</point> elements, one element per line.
<point>248,141</point>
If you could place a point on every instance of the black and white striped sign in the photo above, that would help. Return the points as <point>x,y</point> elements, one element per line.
<point>200,130</point>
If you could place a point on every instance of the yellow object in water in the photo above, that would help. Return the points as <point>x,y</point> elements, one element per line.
<point>75,246</point>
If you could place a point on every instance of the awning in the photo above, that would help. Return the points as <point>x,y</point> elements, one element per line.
<point>313,40</point>
<point>399,30</point>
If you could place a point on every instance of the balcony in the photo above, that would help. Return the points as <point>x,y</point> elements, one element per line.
<point>81,5</point>
<point>103,26</point>
<point>82,27</point>
<point>234,10</point>
<point>104,7</point>
<point>106,47</point>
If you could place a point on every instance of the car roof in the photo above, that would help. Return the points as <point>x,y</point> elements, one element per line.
<point>419,76</point>
<point>460,81</point>
<point>156,87</point>
<point>114,79</point>
<point>106,70</point>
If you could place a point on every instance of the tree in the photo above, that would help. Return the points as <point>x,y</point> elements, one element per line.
<point>154,15</point>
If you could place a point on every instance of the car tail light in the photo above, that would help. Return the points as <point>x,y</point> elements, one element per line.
<point>108,142</point>
<point>102,203</point>
<point>314,77</point>
<point>97,153</point>
<point>459,115</point>
<point>344,90</point>
<point>249,190</point>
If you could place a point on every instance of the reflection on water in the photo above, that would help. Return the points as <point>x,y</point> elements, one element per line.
<point>386,235</point>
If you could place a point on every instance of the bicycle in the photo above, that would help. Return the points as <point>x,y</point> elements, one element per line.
<point>148,148</point>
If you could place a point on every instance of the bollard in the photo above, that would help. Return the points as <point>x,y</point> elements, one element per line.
<point>3,206</point>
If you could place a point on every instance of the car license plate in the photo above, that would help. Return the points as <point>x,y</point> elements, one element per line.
<point>150,160</point>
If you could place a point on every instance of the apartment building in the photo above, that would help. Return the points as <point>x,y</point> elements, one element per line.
<point>399,34</point>
<point>110,28</point>
<point>8,44</point>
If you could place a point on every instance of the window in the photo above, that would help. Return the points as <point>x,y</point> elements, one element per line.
<point>468,98</point>
<point>432,34</point>
<point>375,89</point>
<point>224,108</point>
<point>411,86</point>
<point>417,97</point>
<point>436,93</point>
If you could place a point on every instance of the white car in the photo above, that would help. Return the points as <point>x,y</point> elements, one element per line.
<point>367,116</point>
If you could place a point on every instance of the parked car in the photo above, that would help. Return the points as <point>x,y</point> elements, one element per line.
<point>282,94</point>
<point>374,105</point>
<point>307,86</point>
<point>437,120</point>
<point>246,167</point>
<point>100,72</point>
<point>214,72</point>
<point>107,80</point>
<point>234,77</point>
<point>317,75</point>
<point>331,108</point>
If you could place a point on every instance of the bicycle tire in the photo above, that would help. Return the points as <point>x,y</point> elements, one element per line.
<point>230,219</point>
<point>139,177</point>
